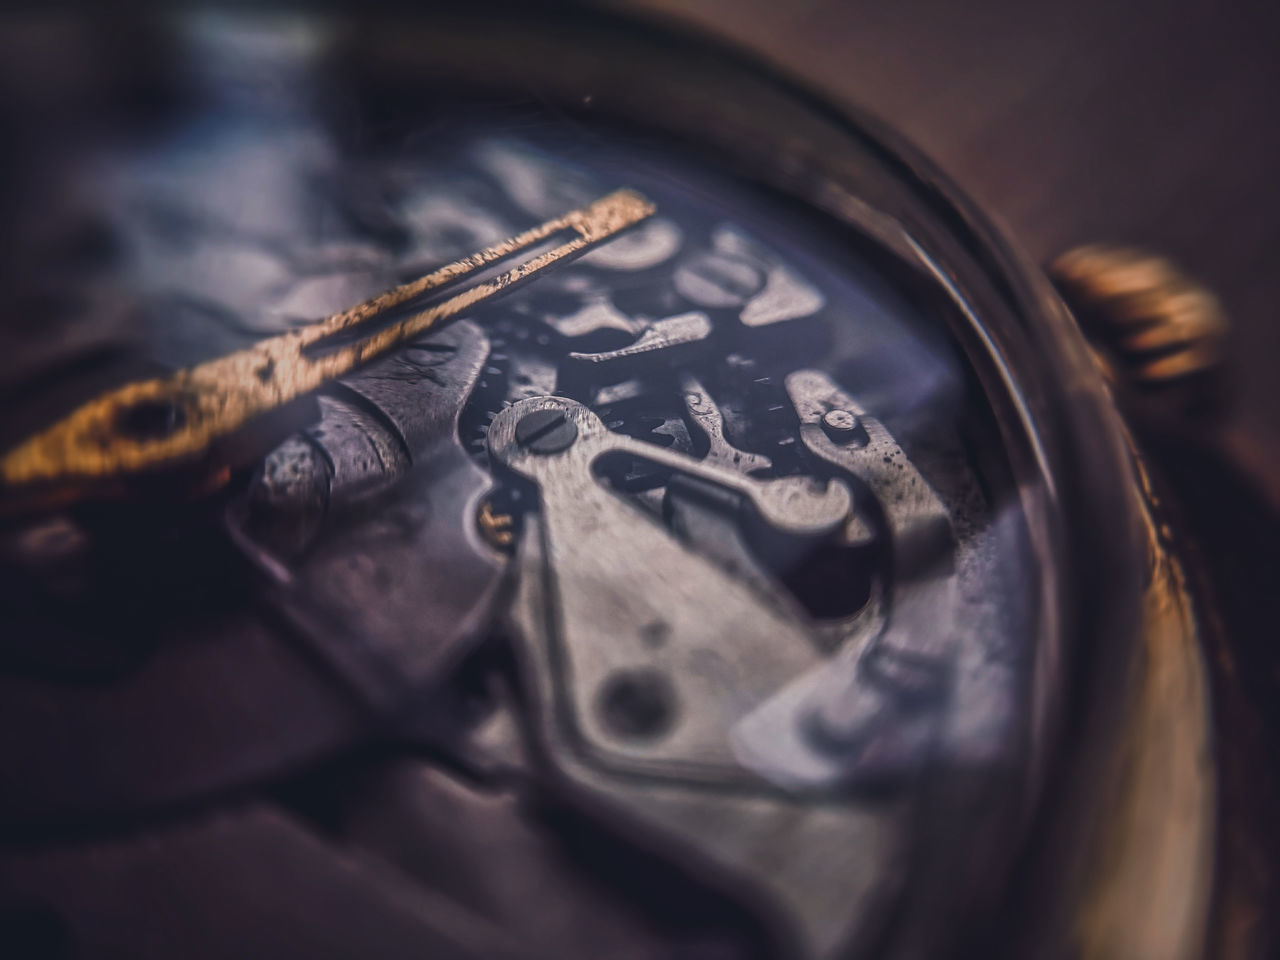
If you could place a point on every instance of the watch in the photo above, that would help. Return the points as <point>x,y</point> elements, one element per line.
<point>535,483</point>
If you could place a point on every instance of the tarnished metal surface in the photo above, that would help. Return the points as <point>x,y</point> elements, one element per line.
<point>691,649</point>
<point>388,598</point>
<point>791,856</point>
<point>870,715</point>
<point>144,425</point>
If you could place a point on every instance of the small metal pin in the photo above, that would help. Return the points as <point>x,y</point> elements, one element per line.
<point>841,426</point>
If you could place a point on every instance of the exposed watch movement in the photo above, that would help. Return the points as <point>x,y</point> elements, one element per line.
<point>533,486</point>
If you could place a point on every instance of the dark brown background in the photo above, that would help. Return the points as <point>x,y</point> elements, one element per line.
<point>1078,121</point>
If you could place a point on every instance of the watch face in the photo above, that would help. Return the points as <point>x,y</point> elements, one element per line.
<point>693,597</point>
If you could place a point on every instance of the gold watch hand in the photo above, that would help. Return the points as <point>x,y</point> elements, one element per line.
<point>153,423</point>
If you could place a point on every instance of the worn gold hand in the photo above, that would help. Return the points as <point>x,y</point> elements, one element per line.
<point>154,423</point>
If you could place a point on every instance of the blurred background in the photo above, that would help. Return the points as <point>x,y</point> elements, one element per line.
<point>1075,122</point>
